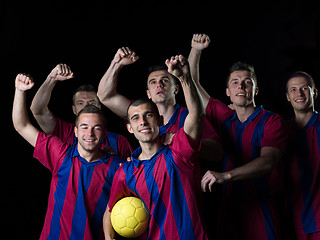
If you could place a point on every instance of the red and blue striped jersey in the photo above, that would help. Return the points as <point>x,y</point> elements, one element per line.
<point>79,190</point>
<point>177,121</point>
<point>249,207</point>
<point>304,184</point>
<point>169,185</point>
<point>65,131</point>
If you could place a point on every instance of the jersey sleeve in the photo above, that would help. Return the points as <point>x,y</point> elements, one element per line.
<point>49,150</point>
<point>217,112</point>
<point>209,131</point>
<point>124,147</point>
<point>275,133</point>
<point>183,150</point>
<point>64,130</point>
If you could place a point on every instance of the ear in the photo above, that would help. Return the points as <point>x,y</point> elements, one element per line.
<point>256,91</point>
<point>76,131</point>
<point>129,128</point>
<point>148,94</point>
<point>315,93</point>
<point>74,110</point>
<point>176,90</point>
<point>288,97</point>
<point>228,92</point>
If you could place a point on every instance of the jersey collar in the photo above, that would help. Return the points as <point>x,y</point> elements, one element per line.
<point>138,151</point>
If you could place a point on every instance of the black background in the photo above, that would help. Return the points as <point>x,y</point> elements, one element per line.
<point>275,36</point>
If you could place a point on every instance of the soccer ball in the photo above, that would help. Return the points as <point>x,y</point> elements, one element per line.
<point>129,217</point>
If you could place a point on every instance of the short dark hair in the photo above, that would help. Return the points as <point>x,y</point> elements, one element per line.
<point>242,66</point>
<point>85,88</point>
<point>94,110</point>
<point>141,101</point>
<point>161,67</point>
<point>301,74</point>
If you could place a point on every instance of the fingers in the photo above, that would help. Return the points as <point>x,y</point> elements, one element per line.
<point>24,81</point>
<point>127,52</point>
<point>64,70</point>
<point>207,181</point>
<point>200,38</point>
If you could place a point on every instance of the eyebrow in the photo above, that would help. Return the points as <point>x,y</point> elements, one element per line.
<point>85,124</point>
<point>146,112</point>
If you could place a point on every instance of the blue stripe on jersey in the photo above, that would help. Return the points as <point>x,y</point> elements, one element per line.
<point>226,126</point>
<point>178,200</point>
<point>60,194</point>
<point>103,200</point>
<point>160,211</point>
<point>182,117</point>
<point>163,129</point>
<point>80,214</point>
<point>113,141</point>
<point>261,183</point>
<point>307,214</point>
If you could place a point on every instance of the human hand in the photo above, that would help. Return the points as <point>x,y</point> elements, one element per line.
<point>178,66</point>
<point>211,177</point>
<point>200,41</point>
<point>23,82</point>
<point>109,150</point>
<point>61,72</point>
<point>125,56</point>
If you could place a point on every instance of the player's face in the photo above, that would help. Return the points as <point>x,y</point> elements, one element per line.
<point>144,123</point>
<point>161,87</point>
<point>90,131</point>
<point>300,94</point>
<point>82,99</point>
<point>241,88</point>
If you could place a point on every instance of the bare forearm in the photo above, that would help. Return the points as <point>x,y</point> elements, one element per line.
<point>21,120</point>
<point>107,91</point>
<point>257,167</point>
<point>108,84</point>
<point>194,62</point>
<point>194,121</point>
<point>109,233</point>
<point>39,105</point>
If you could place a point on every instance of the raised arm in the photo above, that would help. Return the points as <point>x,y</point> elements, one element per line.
<point>179,67</point>
<point>39,105</point>
<point>20,117</point>
<point>198,43</point>
<point>107,89</point>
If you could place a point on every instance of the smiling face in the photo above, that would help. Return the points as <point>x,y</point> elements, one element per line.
<point>241,88</point>
<point>300,94</point>
<point>144,122</point>
<point>90,131</point>
<point>161,87</point>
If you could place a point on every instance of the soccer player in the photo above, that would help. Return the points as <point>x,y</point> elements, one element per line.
<point>165,177</point>
<point>84,95</point>
<point>254,142</point>
<point>162,88</point>
<point>82,174</point>
<point>304,156</point>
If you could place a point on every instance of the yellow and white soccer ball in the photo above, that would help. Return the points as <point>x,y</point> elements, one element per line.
<point>129,217</point>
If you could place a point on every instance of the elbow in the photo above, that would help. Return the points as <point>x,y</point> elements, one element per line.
<point>35,110</point>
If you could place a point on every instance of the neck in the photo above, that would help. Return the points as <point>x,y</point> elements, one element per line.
<point>302,117</point>
<point>244,112</point>
<point>166,110</point>
<point>148,149</point>
<point>90,156</point>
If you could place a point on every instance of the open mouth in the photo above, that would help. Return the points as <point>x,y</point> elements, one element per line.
<point>148,130</point>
